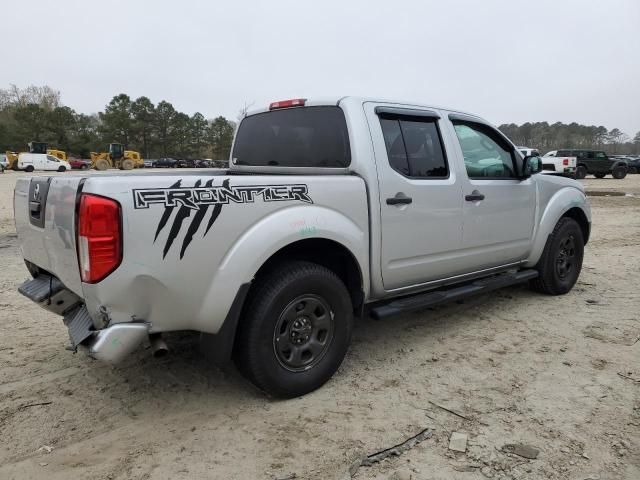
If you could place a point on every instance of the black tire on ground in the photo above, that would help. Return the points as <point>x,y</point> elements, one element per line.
<point>295,330</point>
<point>83,166</point>
<point>581,172</point>
<point>619,172</point>
<point>599,175</point>
<point>29,169</point>
<point>561,259</point>
<point>633,170</point>
<point>62,168</point>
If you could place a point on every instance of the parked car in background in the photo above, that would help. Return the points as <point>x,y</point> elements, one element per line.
<point>633,162</point>
<point>559,165</point>
<point>165,163</point>
<point>41,161</point>
<point>594,162</point>
<point>147,163</point>
<point>79,164</point>
<point>185,163</point>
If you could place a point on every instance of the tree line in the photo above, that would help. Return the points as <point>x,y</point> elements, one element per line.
<point>556,136</point>
<point>37,114</point>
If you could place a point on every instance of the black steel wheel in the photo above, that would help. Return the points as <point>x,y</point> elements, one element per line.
<point>295,329</point>
<point>561,261</point>
<point>303,333</point>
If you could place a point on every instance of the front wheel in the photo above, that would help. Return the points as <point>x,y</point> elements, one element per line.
<point>62,168</point>
<point>296,329</point>
<point>29,169</point>
<point>561,261</point>
<point>581,172</point>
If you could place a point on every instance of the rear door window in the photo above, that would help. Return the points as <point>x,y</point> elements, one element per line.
<point>414,147</point>
<point>294,137</point>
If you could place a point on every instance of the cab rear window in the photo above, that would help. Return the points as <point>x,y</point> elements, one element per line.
<point>294,137</point>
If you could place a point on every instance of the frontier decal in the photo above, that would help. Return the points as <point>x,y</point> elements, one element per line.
<point>200,197</point>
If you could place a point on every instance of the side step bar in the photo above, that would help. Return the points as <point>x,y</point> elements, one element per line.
<point>435,297</point>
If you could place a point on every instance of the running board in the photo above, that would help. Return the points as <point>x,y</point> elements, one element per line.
<point>435,297</point>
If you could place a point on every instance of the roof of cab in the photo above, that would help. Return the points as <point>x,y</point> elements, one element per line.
<point>322,101</point>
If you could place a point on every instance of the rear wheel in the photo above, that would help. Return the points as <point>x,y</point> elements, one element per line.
<point>599,175</point>
<point>561,260</point>
<point>62,168</point>
<point>619,172</point>
<point>83,166</point>
<point>29,169</point>
<point>296,329</point>
<point>127,164</point>
<point>581,172</point>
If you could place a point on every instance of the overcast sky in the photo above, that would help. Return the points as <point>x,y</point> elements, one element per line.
<point>507,60</point>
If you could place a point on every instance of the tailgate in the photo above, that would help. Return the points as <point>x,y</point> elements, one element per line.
<point>45,214</point>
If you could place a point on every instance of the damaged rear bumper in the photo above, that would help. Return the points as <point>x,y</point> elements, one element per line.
<point>110,344</point>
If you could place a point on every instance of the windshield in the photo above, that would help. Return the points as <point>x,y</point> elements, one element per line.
<point>294,137</point>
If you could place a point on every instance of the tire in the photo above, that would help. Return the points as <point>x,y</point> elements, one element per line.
<point>561,260</point>
<point>581,172</point>
<point>29,169</point>
<point>599,175</point>
<point>127,164</point>
<point>633,170</point>
<point>62,168</point>
<point>294,303</point>
<point>102,164</point>
<point>619,172</point>
<point>83,166</point>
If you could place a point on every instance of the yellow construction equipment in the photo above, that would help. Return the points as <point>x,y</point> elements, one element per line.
<point>59,154</point>
<point>116,157</point>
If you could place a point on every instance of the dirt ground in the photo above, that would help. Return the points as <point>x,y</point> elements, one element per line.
<point>560,374</point>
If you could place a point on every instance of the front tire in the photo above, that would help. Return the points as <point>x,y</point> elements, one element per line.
<point>561,261</point>
<point>62,168</point>
<point>296,329</point>
<point>29,169</point>
<point>581,172</point>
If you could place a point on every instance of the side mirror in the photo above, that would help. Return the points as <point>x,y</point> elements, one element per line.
<point>532,165</point>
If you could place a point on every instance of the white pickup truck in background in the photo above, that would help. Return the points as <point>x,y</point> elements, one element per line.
<point>554,164</point>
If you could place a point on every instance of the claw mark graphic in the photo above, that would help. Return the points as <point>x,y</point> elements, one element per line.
<point>195,223</point>
<point>166,214</point>
<point>198,198</point>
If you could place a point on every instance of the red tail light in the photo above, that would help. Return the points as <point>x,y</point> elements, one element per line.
<point>295,102</point>
<point>99,237</point>
<point>565,162</point>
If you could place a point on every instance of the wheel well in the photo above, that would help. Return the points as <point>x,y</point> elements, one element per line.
<point>329,254</point>
<point>578,215</point>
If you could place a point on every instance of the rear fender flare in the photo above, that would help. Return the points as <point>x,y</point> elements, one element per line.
<point>266,237</point>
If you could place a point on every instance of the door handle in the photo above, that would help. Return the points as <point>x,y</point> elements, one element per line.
<point>399,200</point>
<point>474,197</point>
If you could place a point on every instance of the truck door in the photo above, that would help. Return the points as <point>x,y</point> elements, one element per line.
<point>498,206</point>
<point>420,196</point>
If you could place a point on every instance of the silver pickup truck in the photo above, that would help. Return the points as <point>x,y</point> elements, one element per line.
<point>330,209</point>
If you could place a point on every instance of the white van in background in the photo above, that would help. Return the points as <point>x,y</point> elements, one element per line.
<point>41,161</point>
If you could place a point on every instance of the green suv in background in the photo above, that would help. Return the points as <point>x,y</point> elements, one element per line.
<point>596,163</point>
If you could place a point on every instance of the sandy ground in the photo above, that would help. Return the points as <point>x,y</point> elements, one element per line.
<point>514,366</point>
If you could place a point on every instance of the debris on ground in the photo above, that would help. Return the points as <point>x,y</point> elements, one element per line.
<point>394,451</point>
<point>45,449</point>
<point>521,450</point>
<point>458,442</point>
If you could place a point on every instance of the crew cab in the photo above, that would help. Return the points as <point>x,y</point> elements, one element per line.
<point>329,210</point>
